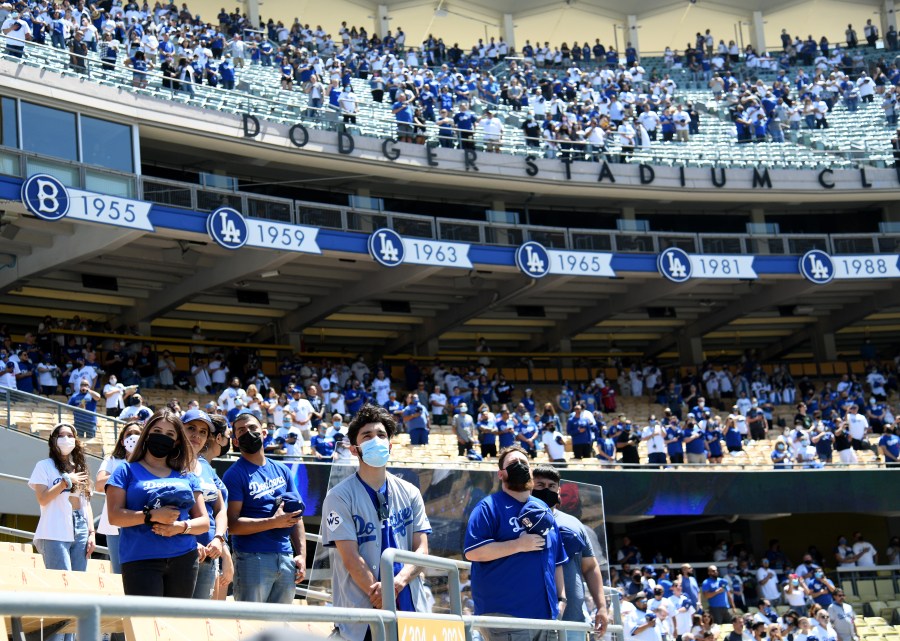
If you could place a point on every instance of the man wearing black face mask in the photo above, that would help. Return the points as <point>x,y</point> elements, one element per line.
<point>504,553</point>
<point>582,561</point>
<point>269,541</point>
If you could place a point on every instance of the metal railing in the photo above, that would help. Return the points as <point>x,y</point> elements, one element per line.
<point>105,427</point>
<point>855,576</point>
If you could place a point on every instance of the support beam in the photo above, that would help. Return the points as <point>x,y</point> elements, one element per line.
<point>888,17</point>
<point>638,295</point>
<point>509,30</point>
<point>366,288</point>
<point>758,32</point>
<point>253,13</point>
<point>227,269</point>
<point>631,33</point>
<point>85,242</point>
<point>382,20</point>
<point>851,313</point>
<point>752,299</point>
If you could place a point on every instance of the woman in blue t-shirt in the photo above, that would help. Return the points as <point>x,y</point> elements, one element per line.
<point>211,546</point>
<point>156,502</point>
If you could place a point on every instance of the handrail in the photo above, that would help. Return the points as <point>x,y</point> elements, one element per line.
<point>25,534</point>
<point>88,610</point>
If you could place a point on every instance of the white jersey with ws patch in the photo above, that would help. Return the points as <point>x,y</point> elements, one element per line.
<point>348,514</point>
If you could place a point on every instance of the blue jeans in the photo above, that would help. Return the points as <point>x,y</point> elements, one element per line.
<point>112,544</point>
<point>206,578</point>
<point>264,577</point>
<point>418,436</point>
<point>67,555</point>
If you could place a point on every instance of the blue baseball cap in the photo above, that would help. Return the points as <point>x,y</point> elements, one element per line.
<point>197,415</point>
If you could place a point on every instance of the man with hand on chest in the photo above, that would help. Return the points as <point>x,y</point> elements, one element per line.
<point>367,513</point>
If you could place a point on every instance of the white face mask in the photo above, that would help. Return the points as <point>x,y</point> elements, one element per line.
<point>65,444</point>
<point>112,380</point>
<point>130,442</point>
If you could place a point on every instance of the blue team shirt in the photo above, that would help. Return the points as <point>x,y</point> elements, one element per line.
<point>696,446</point>
<point>574,426</point>
<point>713,438</point>
<point>892,443</point>
<point>676,447</point>
<point>418,423</point>
<point>506,438</point>
<point>533,573</point>
<point>138,542</point>
<point>210,486</point>
<point>527,430</point>
<point>26,383</point>
<point>257,489</point>
<point>816,585</point>
<point>711,585</point>
<point>733,438</point>
<point>354,400</point>
<point>324,445</point>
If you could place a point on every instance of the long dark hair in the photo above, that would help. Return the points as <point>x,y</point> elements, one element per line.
<point>119,450</point>
<point>181,459</point>
<point>62,463</point>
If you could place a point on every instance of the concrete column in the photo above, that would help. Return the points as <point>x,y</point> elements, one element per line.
<point>631,33</point>
<point>690,350</point>
<point>498,205</point>
<point>509,30</point>
<point>565,345</point>
<point>758,32</point>
<point>295,340</point>
<point>627,213</point>
<point>382,20</point>
<point>823,347</point>
<point>888,17</point>
<point>432,346</point>
<point>758,215</point>
<point>144,328</point>
<point>253,13</point>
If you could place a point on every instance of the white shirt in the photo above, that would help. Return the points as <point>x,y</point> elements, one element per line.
<point>217,368</point>
<point>8,379</point>
<point>229,395</point>
<point>302,410</point>
<point>45,376</point>
<point>555,451</point>
<point>55,523</point>
<point>382,390</point>
<point>770,588</point>
<point>109,465</point>
<point>441,399</point>
<point>867,551</point>
<point>744,405</point>
<point>115,400</point>
<point>858,425</point>
<point>655,439</point>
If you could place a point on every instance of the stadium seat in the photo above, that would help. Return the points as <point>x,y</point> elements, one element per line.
<point>885,589</point>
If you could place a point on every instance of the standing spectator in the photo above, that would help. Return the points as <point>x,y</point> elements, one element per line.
<point>767,582</point>
<point>866,555</point>
<point>416,421</point>
<point>464,427</point>
<point>265,518</point>
<point>858,428</point>
<point>579,430</point>
<point>211,547</point>
<point>156,503</point>
<point>717,592</point>
<point>166,369</point>
<point>47,376</point>
<point>843,618</point>
<point>65,532</point>
<point>582,567</point>
<point>870,31</point>
<point>388,507</point>
<point>146,364</point>
<point>115,394</point>
<point>504,553</point>
<point>125,444</point>
<point>438,401</point>
<point>85,403</point>
<point>889,444</point>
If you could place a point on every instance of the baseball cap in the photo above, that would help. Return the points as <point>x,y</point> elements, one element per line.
<point>197,415</point>
<point>144,414</point>
<point>535,519</point>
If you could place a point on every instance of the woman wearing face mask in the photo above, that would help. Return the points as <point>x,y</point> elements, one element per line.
<point>128,438</point>
<point>781,457</point>
<point>795,594</point>
<point>155,500</point>
<point>386,506</point>
<point>62,484</point>
<point>218,445</point>
<point>211,546</point>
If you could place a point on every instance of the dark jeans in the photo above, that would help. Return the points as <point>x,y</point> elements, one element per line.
<point>676,459</point>
<point>488,449</point>
<point>720,615</point>
<point>174,577</point>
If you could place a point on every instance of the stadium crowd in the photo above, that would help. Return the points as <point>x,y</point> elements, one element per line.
<point>710,415</point>
<point>577,102</point>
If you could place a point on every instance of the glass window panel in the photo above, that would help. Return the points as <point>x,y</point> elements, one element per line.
<point>107,144</point>
<point>49,131</point>
<point>9,130</point>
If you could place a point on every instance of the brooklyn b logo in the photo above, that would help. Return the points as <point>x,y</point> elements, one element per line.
<point>47,197</point>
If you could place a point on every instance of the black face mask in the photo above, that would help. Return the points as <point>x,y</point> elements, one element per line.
<point>547,495</point>
<point>517,475</point>
<point>225,447</point>
<point>160,445</point>
<point>250,442</point>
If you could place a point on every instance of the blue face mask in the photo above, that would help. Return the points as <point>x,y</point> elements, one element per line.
<point>375,452</point>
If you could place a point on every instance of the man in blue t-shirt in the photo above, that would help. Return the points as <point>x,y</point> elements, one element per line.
<point>578,428</point>
<point>415,419</point>
<point>269,543</point>
<point>582,567</point>
<point>889,444</point>
<point>85,400</point>
<point>514,573</point>
<point>718,594</point>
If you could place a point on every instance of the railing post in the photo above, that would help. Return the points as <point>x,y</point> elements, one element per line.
<point>89,625</point>
<point>388,597</point>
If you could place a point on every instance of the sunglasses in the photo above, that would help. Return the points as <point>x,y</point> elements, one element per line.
<point>384,510</point>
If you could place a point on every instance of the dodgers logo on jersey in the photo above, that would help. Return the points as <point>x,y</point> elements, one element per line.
<point>45,197</point>
<point>386,247</point>
<point>675,264</point>
<point>228,228</point>
<point>533,260</point>
<point>816,266</point>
